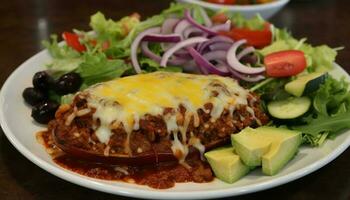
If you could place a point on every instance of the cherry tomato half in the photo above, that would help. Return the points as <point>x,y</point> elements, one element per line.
<point>72,40</point>
<point>285,63</point>
<point>256,38</point>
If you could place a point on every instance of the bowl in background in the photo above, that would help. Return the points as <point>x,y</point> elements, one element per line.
<point>266,10</point>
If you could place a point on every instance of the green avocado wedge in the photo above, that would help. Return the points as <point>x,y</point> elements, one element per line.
<point>269,147</point>
<point>226,164</point>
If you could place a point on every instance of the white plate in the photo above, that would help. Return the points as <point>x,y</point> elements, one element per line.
<point>266,10</point>
<point>20,130</point>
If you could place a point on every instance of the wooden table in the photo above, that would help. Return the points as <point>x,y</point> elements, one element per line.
<point>24,23</point>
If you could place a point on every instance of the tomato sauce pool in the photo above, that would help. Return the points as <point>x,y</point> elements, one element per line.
<point>160,176</point>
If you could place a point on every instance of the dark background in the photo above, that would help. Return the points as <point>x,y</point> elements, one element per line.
<point>24,23</point>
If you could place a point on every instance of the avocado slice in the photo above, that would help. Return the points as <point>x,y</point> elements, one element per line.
<point>305,84</point>
<point>226,164</point>
<point>269,147</point>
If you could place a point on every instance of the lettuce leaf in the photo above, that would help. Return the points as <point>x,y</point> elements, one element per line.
<point>65,59</point>
<point>112,29</point>
<point>59,51</point>
<point>328,124</point>
<point>98,68</point>
<point>255,23</point>
<point>121,49</point>
<point>330,113</point>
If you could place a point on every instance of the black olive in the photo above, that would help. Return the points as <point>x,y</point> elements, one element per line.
<point>42,80</point>
<point>33,96</point>
<point>68,83</point>
<point>45,111</point>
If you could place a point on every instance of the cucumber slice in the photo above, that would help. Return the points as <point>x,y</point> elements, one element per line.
<point>290,108</point>
<point>305,84</point>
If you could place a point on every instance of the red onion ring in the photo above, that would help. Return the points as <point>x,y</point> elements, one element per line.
<point>191,30</point>
<point>236,65</point>
<point>135,45</point>
<point>194,23</point>
<point>222,27</point>
<point>245,52</point>
<point>178,46</point>
<point>168,25</point>
<point>252,79</point>
<point>205,65</point>
<point>215,55</point>
<point>220,46</point>
<point>147,52</point>
<point>181,26</point>
<point>172,38</point>
<point>201,47</point>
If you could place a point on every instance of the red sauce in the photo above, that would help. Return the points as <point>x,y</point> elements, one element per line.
<point>161,176</point>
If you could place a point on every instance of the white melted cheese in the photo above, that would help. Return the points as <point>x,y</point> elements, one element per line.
<point>127,100</point>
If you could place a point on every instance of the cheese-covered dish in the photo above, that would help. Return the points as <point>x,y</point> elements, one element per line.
<point>157,112</point>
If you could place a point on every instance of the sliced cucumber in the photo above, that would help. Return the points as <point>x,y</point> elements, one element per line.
<point>305,84</point>
<point>290,108</point>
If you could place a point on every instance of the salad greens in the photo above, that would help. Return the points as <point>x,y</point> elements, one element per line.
<point>110,29</point>
<point>107,56</point>
<point>330,113</point>
<point>319,58</point>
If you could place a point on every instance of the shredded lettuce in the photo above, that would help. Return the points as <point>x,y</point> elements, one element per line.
<point>110,28</point>
<point>255,23</point>
<point>59,51</point>
<point>65,59</point>
<point>121,49</point>
<point>98,68</point>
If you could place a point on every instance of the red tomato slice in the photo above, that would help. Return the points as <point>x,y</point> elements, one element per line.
<point>72,40</point>
<point>285,63</point>
<point>227,2</point>
<point>256,38</point>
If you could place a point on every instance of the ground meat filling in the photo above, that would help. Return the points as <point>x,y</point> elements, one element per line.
<point>74,124</point>
<point>152,129</point>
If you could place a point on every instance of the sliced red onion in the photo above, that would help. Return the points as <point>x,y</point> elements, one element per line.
<point>168,25</point>
<point>147,52</point>
<point>172,38</point>
<point>245,52</point>
<point>216,39</point>
<point>220,46</point>
<point>207,20</point>
<point>205,65</point>
<point>236,65</point>
<point>194,23</point>
<point>182,53</point>
<point>178,46</point>
<point>135,45</point>
<point>215,55</point>
<point>253,78</point>
<point>222,27</point>
<point>181,26</point>
<point>192,30</point>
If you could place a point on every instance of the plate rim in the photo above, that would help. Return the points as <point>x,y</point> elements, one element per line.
<point>253,7</point>
<point>152,193</point>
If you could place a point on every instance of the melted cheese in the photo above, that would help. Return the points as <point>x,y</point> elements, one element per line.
<point>127,100</point>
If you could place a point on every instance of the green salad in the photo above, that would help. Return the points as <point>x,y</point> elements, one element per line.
<point>304,102</point>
